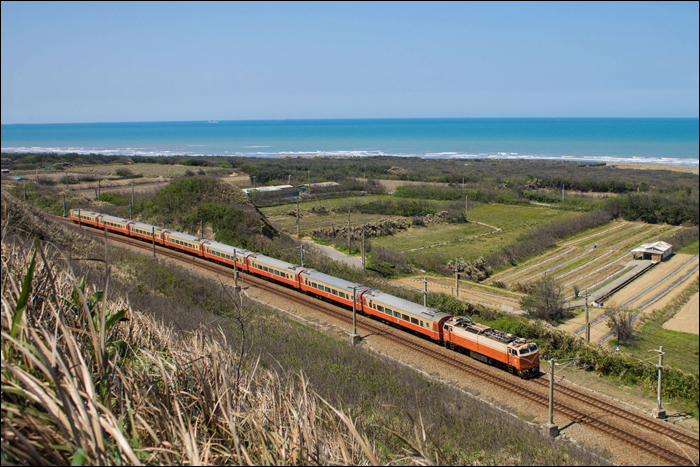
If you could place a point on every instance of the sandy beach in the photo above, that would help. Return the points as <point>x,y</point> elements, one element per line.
<point>641,166</point>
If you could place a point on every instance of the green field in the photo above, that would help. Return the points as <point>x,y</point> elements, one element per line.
<point>692,249</point>
<point>458,240</point>
<point>680,348</point>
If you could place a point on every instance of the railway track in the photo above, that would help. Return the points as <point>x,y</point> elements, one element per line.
<point>452,359</point>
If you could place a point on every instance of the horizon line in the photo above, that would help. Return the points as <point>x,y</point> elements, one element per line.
<point>355,118</point>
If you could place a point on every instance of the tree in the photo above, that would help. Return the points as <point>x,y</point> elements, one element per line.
<point>620,324</point>
<point>545,300</point>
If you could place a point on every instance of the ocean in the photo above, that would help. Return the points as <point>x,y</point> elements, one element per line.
<point>671,141</point>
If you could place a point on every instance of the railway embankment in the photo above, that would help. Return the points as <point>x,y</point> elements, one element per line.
<point>186,335</point>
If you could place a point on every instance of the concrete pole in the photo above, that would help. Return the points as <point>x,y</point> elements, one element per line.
<point>97,196</point>
<point>551,391</point>
<point>363,246</point>
<point>354,307</point>
<point>355,337</point>
<point>235,271</point>
<point>99,188</point>
<point>659,412</point>
<point>153,235</point>
<point>132,193</point>
<point>106,249</point>
<point>25,191</point>
<point>80,223</point>
<point>588,324</point>
<point>562,192</point>
<point>308,172</point>
<point>550,429</point>
<point>131,214</point>
<point>425,291</point>
<point>64,205</point>
<point>302,256</point>
<point>201,228</point>
<point>466,206</point>
<point>349,235</point>
<point>298,231</point>
<point>456,278</point>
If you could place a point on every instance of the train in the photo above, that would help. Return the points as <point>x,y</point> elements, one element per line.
<point>514,354</point>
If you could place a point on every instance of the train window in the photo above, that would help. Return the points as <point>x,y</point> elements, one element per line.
<point>335,292</point>
<point>389,311</point>
<point>414,320</point>
<point>380,308</point>
<point>421,323</point>
<point>397,314</point>
<point>405,317</point>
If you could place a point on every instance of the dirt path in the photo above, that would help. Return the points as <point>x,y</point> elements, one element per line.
<point>470,294</point>
<point>352,261</point>
<point>650,278</point>
<point>686,320</point>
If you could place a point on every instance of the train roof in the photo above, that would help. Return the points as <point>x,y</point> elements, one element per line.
<point>107,217</point>
<point>406,305</point>
<point>143,225</point>
<point>185,237</point>
<point>275,263</point>
<point>329,280</point>
<point>229,249</point>
<point>88,213</point>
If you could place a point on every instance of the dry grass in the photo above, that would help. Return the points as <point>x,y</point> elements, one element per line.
<point>88,380</point>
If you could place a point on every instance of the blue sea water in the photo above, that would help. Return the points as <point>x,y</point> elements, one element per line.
<point>646,140</point>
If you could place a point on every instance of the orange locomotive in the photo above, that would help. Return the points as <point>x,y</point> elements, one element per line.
<point>490,346</point>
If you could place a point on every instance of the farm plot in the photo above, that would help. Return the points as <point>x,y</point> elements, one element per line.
<point>570,262</point>
<point>654,282</point>
<point>472,240</point>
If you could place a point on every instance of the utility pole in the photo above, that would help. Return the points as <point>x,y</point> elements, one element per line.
<point>132,193</point>
<point>588,323</point>
<point>289,180</point>
<point>355,337</point>
<point>201,228</point>
<point>25,191</point>
<point>80,223</point>
<point>466,206</point>
<point>363,246</point>
<point>308,172</point>
<point>425,291</point>
<point>456,278</point>
<point>131,214</point>
<point>298,234</point>
<point>658,412</point>
<point>99,188</point>
<point>235,271</point>
<point>562,192</point>
<point>64,205</point>
<point>462,184</point>
<point>551,429</point>
<point>106,250</point>
<point>349,235</point>
<point>302,255</point>
<point>153,235</point>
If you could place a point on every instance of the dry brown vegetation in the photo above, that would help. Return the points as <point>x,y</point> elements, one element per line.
<point>88,380</point>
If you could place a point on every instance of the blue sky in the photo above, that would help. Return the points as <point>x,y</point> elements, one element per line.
<point>102,62</point>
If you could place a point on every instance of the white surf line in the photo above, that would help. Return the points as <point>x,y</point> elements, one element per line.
<point>558,265</point>
<point>538,264</point>
<point>595,235</point>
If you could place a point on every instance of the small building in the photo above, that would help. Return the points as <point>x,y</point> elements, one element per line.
<point>657,251</point>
